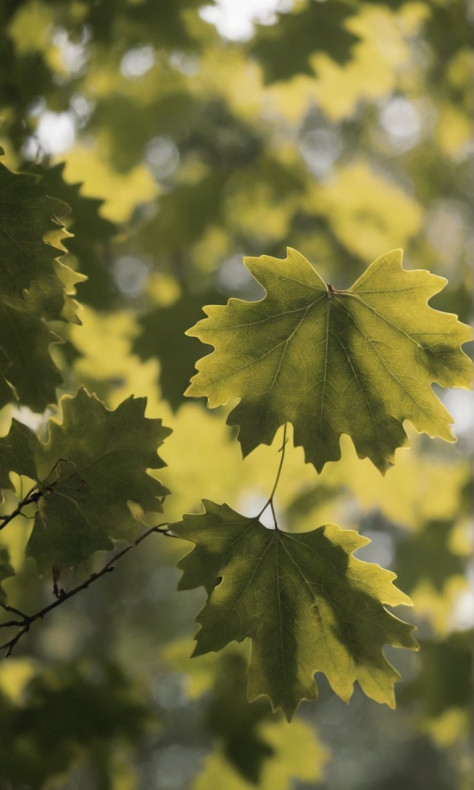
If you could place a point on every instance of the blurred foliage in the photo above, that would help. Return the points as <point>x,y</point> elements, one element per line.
<point>63,714</point>
<point>341,129</point>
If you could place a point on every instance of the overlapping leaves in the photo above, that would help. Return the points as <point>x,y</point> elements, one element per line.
<point>359,361</point>
<point>306,603</point>
<point>319,27</point>
<point>92,234</point>
<point>35,287</point>
<point>163,337</point>
<point>93,464</point>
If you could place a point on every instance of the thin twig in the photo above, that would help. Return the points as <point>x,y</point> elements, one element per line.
<point>27,620</point>
<point>12,609</point>
<point>35,493</point>
<point>31,498</point>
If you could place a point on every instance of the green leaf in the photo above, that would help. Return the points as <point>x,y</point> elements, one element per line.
<point>317,28</point>
<point>17,453</point>
<point>6,570</point>
<point>28,262</point>
<point>30,375</point>
<point>92,234</point>
<point>93,464</point>
<point>201,203</point>
<point>68,711</point>
<point>359,361</point>
<point>299,760</point>
<point>238,735</point>
<point>305,602</point>
<point>35,287</point>
<point>444,681</point>
<point>426,555</point>
<point>163,337</point>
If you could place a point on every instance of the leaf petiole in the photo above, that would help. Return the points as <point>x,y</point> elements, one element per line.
<point>269,502</point>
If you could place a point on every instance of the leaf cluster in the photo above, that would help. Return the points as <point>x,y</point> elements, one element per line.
<point>326,132</point>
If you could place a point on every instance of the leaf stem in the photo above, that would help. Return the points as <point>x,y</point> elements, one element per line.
<point>25,621</point>
<point>269,502</point>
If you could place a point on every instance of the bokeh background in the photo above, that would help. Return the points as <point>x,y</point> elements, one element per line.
<point>185,135</point>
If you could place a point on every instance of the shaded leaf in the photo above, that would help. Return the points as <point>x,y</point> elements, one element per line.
<point>201,204</point>
<point>427,556</point>
<point>64,712</point>
<point>35,287</point>
<point>239,734</point>
<point>163,22</point>
<point>299,754</point>
<point>359,361</point>
<point>93,464</point>
<point>29,268</point>
<point>307,604</point>
<point>163,337</point>
<point>444,680</point>
<point>30,375</point>
<point>17,453</point>
<point>318,28</point>
<point>92,233</point>
<point>6,570</point>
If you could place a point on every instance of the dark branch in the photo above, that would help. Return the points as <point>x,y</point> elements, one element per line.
<point>35,493</point>
<point>31,498</point>
<point>25,621</point>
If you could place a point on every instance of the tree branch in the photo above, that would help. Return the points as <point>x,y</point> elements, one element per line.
<point>31,498</point>
<point>25,621</point>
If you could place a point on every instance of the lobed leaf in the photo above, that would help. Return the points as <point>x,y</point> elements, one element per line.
<point>93,464</point>
<point>31,232</point>
<point>304,600</point>
<point>359,361</point>
<point>35,287</point>
<point>29,374</point>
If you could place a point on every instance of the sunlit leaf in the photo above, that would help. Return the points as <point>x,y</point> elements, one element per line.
<point>366,212</point>
<point>358,361</point>
<point>371,74</point>
<point>92,234</point>
<point>299,754</point>
<point>120,193</point>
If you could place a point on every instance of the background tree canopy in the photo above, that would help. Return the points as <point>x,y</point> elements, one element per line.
<point>158,142</point>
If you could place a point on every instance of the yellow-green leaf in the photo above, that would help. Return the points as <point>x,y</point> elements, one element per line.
<point>358,361</point>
